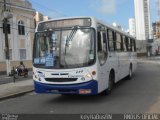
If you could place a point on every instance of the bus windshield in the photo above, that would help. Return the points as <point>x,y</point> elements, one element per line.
<point>70,48</point>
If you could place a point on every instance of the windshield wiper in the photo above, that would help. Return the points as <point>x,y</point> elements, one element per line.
<point>70,37</point>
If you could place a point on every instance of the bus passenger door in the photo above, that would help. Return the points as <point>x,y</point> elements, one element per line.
<point>102,57</point>
<point>120,56</point>
<point>113,61</point>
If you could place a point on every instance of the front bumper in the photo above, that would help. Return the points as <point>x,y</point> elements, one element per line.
<point>67,89</point>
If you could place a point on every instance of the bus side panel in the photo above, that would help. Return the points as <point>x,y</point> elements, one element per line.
<point>102,77</point>
<point>104,71</point>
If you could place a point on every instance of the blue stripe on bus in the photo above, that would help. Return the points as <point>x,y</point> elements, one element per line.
<point>66,89</point>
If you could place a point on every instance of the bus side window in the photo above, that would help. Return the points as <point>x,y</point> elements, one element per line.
<point>105,42</point>
<point>102,47</point>
<point>118,42</point>
<point>99,42</point>
<point>129,44</point>
<point>124,44</point>
<point>111,42</point>
<point>134,45</point>
<point>121,44</point>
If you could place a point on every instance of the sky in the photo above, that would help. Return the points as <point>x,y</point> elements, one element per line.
<point>110,11</point>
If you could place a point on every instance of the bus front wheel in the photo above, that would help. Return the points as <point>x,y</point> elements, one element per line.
<point>110,84</point>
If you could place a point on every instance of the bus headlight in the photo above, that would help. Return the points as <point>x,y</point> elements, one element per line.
<point>89,76</point>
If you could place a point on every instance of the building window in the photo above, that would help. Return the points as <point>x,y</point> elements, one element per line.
<point>8,28</point>
<point>22,54</point>
<point>124,43</point>
<point>21,28</point>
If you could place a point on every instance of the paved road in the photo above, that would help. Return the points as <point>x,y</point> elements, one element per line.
<point>140,95</point>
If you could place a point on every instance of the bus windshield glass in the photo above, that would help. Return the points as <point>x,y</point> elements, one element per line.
<point>71,48</point>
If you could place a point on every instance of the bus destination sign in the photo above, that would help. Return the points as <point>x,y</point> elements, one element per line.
<point>66,23</point>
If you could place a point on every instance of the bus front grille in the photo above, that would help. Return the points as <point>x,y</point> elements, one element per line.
<point>60,79</point>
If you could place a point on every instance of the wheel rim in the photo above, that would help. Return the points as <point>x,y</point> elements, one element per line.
<point>130,72</point>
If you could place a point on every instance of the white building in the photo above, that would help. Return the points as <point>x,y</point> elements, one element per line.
<point>40,17</point>
<point>117,26</point>
<point>45,18</point>
<point>132,27</point>
<point>142,19</point>
<point>21,33</point>
<point>143,26</point>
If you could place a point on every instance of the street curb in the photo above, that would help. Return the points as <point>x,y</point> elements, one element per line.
<point>16,94</point>
<point>149,61</point>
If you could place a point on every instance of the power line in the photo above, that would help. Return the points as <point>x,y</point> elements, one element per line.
<point>10,5</point>
<point>48,9</point>
<point>26,31</point>
<point>17,29</point>
<point>17,25</point>
<point>10,9</point>
<point>14,5</point>
<point>23,16</point>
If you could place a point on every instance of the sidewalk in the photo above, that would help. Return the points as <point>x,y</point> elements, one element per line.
<point>12,90</point>
<point>154,60</point>
<point>151,58</point>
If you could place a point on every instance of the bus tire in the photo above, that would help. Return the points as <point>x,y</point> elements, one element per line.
<point>110,83</point>
<point>129,77</point>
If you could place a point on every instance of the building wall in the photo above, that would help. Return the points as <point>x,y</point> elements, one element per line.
<point>132,27</point>
<point>143,24</point>
<point>22,11</point>
<point>142,17</point>
<point>40,17</point>
<point>156,29</point>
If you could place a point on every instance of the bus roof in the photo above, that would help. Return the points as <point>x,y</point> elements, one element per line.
<point>93,18</point>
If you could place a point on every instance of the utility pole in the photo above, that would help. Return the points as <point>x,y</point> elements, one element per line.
<point>6,33</point>
<point>5,21</point>
<point>158,7</point>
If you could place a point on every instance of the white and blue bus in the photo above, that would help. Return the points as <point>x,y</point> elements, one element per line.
<point>81,55</point>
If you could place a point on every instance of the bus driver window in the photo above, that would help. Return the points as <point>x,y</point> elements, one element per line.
<point>102,47</point>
